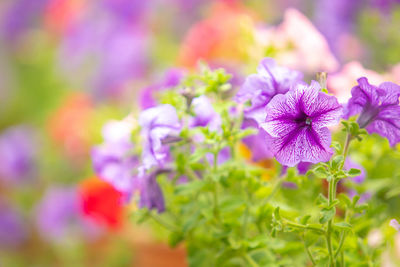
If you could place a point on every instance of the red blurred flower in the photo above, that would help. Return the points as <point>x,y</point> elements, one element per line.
<point>101,202</point>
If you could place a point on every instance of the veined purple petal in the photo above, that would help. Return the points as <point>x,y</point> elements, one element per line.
<point>378,108</point>
<point>260,88</point>
<point>296,124</point>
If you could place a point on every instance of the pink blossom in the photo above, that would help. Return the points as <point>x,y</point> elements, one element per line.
<point>300,45</point>
<point>341,82</point>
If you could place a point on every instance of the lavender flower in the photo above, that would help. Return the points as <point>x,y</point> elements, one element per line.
<point>260,88</point>
<point>151,196</point>
<point>19,17</point>
<point>12,229</point>
<point>113,160</point>
<point>297,124</point>
<point>17,153</point>
<point>378,107</point>
<point>172,78</point>
<point>205,114</point>
<point>57,213</point>
<point>157,124</point>
<point>395,224</point>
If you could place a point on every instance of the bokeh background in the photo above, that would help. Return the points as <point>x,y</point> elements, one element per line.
<point>68,66</point>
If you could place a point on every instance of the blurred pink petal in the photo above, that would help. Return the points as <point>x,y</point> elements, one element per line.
<point>341,82</point>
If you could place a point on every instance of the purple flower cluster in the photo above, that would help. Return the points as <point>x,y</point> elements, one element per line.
<point>378,108</point>
<point>270,80</point>
<point>294,115</point>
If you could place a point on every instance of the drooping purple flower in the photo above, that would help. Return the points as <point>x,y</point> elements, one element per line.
<point>378,107</point>
<point>17,153</point>
<point>205,114</point>
<point>270,80</point>
<point>157,124</point>
<point>151,196</point>
<point>297,124</point>
<point>113,161</point>
<point>395,224</point>
<point>171,79</point>
<point>12,228</point>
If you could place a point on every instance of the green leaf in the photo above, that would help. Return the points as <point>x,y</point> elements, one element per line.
<point>336,162</point>
<point>343,225</point>
<point>345,199</point>
<point>327,215</point>
<point>277,214</point>
<point>354,172</point>
<point>305,219</point>
<point>320,171</point>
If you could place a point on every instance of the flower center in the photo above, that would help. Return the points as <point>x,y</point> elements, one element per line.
<point>308,121</point>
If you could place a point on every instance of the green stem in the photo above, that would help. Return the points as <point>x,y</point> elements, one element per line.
<point>308,251</point>
<point>341,242</point>
<point>306,227</point>
<point>215,191</point>
<point>251,261</point>
<point>162,223</point>
<point>331,198</point>
<point>275,189</point>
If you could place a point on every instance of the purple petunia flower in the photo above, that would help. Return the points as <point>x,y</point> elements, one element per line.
<point>151,196</point>
<point>395,224</point>
<point>270,80</point>
<point>157,124</point>
<point>297,124</point>
<point>12,228</point>
<point>113,160</point>
<point>171,79</point>
<point>378,107</point>
<point>17,153</point>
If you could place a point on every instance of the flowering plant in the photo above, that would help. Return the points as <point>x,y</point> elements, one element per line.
<point>253,177</point>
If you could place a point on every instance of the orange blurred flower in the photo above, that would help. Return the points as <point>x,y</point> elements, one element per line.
<point>69,126</point>
<point>220,37</point>
<point>101,202</point>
